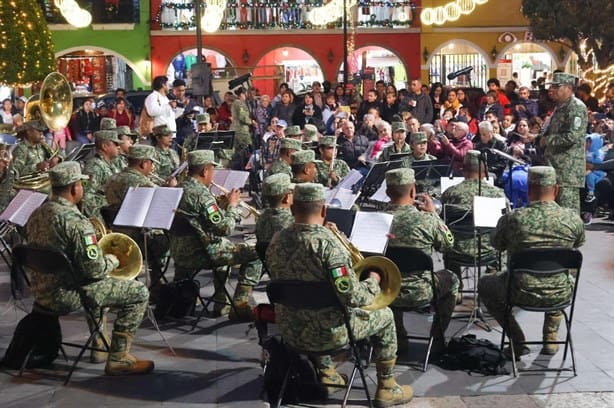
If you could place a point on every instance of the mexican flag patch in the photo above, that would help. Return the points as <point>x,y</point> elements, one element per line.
<point>212,209</point>
<point>339,272</point>
<point>90,240</point>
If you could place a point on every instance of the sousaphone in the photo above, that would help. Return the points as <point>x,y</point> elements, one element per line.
<point>55,101</point>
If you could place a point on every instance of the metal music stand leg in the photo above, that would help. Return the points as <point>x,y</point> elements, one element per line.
<point>14,301</point>
<point>150,313</point>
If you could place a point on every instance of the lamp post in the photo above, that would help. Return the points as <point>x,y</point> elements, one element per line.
<point>199,38</point>
<point>345,46</point>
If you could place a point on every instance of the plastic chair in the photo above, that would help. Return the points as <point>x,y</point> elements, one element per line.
<point>543,262</point>
<point>49,261</point>
<point>313,296</point>
<point>412,260</point>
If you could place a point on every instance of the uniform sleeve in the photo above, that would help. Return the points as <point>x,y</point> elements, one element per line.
<point>500,239</point>
<point>215,220</point>
<point>20,157</point>
<point>571,130</point>
<point>339,272</point>
<point>443,239</point>
<point>90,263</point>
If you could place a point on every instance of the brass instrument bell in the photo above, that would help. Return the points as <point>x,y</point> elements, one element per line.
<point>55,101</point>
<point>127,252</point>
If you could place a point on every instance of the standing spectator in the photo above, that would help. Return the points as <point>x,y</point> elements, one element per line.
<point>85,122</point>
<point>525,107</point>
<point>158,106</point>
<point>342,100</point>
<point>330,108</point>
<point>368,103</point>
<point>437,99</point>
<point>283,87</point>
<point>319,99</point>
<point>451,102</point>
<point>390,107</point>
<point>563,141</point>
<point>284,110</point>
<point>510,92</point>
<point>585,95</point>
<point>380,88</point>
<point>262,113</point>
<point>241,123</point>
<point>224,115</point>
<point>420,105</point>
<point>20,105</point>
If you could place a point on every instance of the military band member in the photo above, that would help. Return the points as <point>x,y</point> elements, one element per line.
<point>277,197</point>
<point>59,224</point>
<point>212,248</point>
<point>283,163</point>
<point>294,132</point>
<point>100,168</point>
<point>542,224</point>
<point>399,134</point>
<point>310,252</point>
<point>168,159</point>
<point>7,178</point>
<point>304,166</point>
<point>422,229</point>
<point>418,145</point>
<point>108,124</point>
<point>328,152</point>
<point>461,195</point>
<point>126,139</point>
<point>33,154</point>
<point>203,124</point>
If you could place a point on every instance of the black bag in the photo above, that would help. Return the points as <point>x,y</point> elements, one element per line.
<point>473,355</point>
<point>177,299</point>
<point>303,384</point>
<point>38,332</point>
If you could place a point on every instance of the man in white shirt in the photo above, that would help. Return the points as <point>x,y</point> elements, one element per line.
<point>158,106</point>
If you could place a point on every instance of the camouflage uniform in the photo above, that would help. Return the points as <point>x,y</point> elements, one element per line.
<point>340,168</point>
<point>120,162</point>
<point>26,156</point>
<point>312,253</point>
<point>7,192</point>
<point>279,166</point>
<point>100,172</point>
<point>240,124</point>
<point>564,146</point>
<point>272,220</point>
<point>542,224</point>
<point>391,149</point>
<point>169,161</point>
<point>59,224</point>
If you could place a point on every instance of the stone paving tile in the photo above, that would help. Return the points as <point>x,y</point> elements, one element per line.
<point>580,400</point>
<point>443,402</point>
<point>500,401</point>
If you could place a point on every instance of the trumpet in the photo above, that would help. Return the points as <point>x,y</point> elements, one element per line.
<point>157,179</point>
<point>248,209</point>
<point>390,283</point>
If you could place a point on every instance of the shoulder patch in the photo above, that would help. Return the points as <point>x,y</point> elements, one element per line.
<point>577,122</point>
<point>343,284</point>
<point>339,272</point>
<point>92,251</point>
<point>90,240</point>
<point>214,214</point>
<point>449,236</point>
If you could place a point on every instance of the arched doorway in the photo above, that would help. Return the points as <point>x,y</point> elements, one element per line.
<point>531,61</point>
<point>97,70</point>
<point>454,56</point>
<point>180,65</point>
<point>372,63</point>
<point>297,68</point>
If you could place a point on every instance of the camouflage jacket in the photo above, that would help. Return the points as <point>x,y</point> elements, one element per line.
<point>461,195</point>
<point>390,150</point>
<point>7,192</point>
<point>120,162</point>
<point>312,253</point>
<point>240,124</point>
<point>339,167</point>
<point>542,224</point>
<point>118,185</point>
<point>59,224</point>
<point>169,161</point>
<point>412,228</point>
<point>209,221</point>
<point>272,220</point>
<point>26,156</point>
<point>100,172</point>
<point>565,143</point>
<point>279,166</point>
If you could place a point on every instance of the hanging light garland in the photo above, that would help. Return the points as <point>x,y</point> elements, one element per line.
<point>74,15</point>
<point>452,11</point>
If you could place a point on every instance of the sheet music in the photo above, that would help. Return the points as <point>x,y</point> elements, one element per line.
<point>179,169</point>
<point>162,208</point>
<point>380,195</point>
<point>487,211</point>
<point>133,210</point>
<point>370,231</point>
<point>228,179</point>
<point>22,206</point>
<point>342,198</point>
<point>353,177</point>
<point>447,182</point>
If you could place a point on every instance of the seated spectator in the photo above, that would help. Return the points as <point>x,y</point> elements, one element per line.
<point>351,145</point>
<point>455,147</point>
<point>525,107</point>
<point>491,104</point>
<point>594,155</point>
<point>486,140</point>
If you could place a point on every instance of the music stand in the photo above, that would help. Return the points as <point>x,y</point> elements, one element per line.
<point>343,219</point>
<point>377,175</point>
<point>223,139</point>
<point>431,171</point>
<point>82,153</point>
<point>399,156</point>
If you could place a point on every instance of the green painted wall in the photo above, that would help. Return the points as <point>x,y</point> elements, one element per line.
<point>132,46</point>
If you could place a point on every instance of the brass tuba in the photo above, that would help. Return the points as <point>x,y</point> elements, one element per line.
<point>123,247</point>
<point>390,283</point>
<point>55,101</point>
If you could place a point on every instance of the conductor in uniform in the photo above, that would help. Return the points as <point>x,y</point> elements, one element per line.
<point>310,252</point>
<point>59,224</point>
<point>542,224</point>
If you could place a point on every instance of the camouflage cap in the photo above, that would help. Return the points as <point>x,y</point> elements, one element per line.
<point>66,173</point>
<point>306,192</point>
<point>303,157</point>
<point>542,176</point>
<point>143,152</point>
<point>310,133</point>
<point>124,130</point>
<point>289,143</point>
<point>162,130</point>
<point>201,157</point>
<point>398,127</point>
<point>418,137</point>
<point>561,78</point>
<point>276,185</point>
<point>203,118</point>
<point>293,131</point>
<point>108,123</point>
<point>400,177</point>
<point>472,160</point>
<point>32,124</point>
<point>110,135</point>
<point>328,141</point>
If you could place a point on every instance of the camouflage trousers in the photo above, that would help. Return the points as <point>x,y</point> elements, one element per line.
<point>492,290</point>
<point>128,298</point>
<point>416,291</point>
<point>224,252</point>
<point>569,197</point>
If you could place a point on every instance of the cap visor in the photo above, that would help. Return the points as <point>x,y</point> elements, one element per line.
<point>84,177</point>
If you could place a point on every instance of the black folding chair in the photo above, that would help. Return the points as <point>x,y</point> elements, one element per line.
<point>261,248</point>
<point>49,261</point>
<point>181,227</point>
<point>313,296</point>
<point>412,260</point>
<point>541,263</point>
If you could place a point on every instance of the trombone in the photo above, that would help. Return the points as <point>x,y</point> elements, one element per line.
<point>248,209</point>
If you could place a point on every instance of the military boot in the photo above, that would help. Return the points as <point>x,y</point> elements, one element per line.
<point>97,356</point>
<point>389,392</point>
<point>330,376</point>
<point>121,362</point>
<point>241,311</point>
<point>552,321</point>
<point>221,306</point>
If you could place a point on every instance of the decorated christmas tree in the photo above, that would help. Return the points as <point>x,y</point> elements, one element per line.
<point>26,49</point>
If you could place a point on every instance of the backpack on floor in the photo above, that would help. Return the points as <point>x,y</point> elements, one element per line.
<point>36,332</point>
<point>474,356</point>
<point>177,299</point>
<point>303,384</point>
